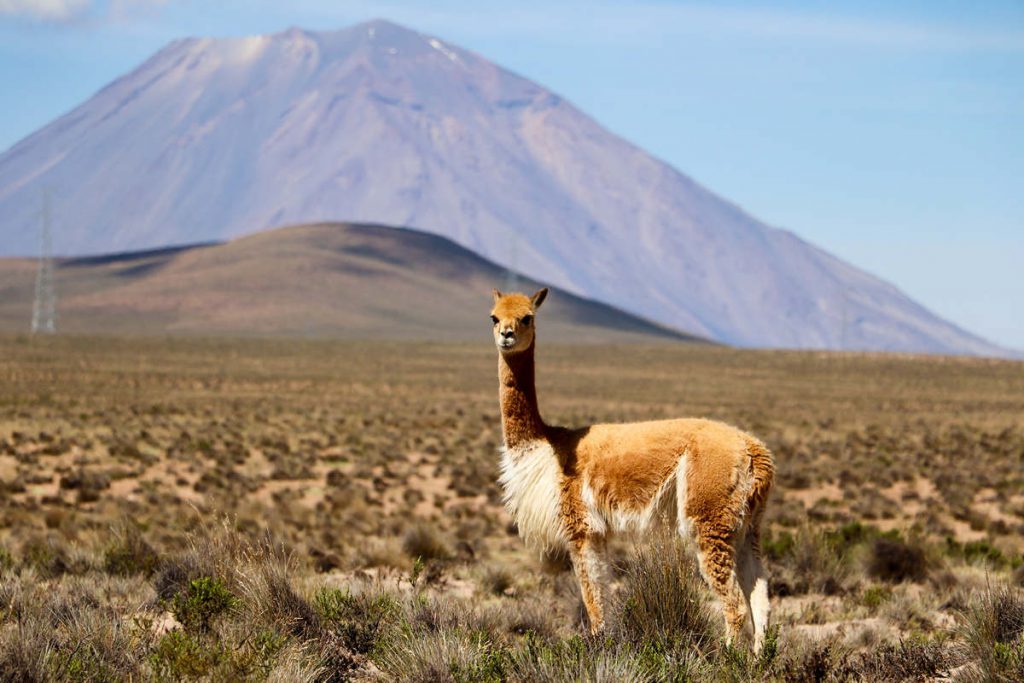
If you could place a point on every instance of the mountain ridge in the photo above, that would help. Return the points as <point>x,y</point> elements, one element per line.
<point>212,138</point>
<point>326,280</point>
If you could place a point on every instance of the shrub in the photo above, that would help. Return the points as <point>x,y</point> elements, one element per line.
<point>811,563</point>
<point>6,560</point>
<point>895,561</point>
<point>814,661</point>
<point>256,659</point>
<point>47,556</point>
<point>359,619</point>
<point>907,660</point>
<point>130,554</point>
<point>174,576</point>
<point>497,580</point>
<point>851,534</point>
<point>425,543</point>
<point>207,598</point>
<point>179,655</point>
<point>874,596</point>
<point>777,547</point>
<point>973,552</point>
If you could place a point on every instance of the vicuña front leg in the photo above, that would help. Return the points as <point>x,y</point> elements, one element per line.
<point>589,562</point>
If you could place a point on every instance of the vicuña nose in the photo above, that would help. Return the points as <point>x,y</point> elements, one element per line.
<point>507,333</point>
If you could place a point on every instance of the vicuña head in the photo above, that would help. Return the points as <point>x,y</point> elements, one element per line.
<point>513,319</point>
<point>574,487</point>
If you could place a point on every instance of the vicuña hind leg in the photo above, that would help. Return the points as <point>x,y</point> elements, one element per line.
<point>757,594</point>
<point>588,561</point>
<point>718,566</point>
<point>754,581</point>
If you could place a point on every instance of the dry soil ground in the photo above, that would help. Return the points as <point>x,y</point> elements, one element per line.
<point>309,509</point>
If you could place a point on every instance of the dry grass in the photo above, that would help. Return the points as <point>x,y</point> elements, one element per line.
<point>364,536</point>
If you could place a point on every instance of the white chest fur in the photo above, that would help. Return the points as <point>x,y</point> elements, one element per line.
<point>532,483</point>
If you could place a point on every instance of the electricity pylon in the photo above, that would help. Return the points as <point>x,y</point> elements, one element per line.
<point>44,309</point>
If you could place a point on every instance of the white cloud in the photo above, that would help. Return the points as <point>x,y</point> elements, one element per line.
<point>68,10</point>
<point>46,10</point>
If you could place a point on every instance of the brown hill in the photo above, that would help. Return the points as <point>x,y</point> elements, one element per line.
<point>336,280</point>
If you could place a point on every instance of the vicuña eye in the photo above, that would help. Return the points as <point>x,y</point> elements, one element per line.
<point>527,319</point>
<point>494,319</point>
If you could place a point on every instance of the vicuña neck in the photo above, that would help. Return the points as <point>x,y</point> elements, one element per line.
<point>520,416</point>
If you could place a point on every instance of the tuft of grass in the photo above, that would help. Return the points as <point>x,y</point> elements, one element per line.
<point>992,629</point>
<point>580,659</point>
<point>662,600</point>
<point>439,656</point>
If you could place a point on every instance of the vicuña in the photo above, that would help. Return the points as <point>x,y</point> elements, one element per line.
<point>573,488</point>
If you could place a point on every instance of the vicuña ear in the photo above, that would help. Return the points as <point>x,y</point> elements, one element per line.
<point>537,299</point>
<point>496,293</point>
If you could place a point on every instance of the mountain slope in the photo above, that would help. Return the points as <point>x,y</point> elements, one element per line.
<point>214,137</point>
<point>336,280</point>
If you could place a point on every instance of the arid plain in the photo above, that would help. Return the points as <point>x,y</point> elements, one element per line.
<point>308,510</point>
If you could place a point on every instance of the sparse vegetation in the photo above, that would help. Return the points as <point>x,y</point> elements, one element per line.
<point>309,510</point>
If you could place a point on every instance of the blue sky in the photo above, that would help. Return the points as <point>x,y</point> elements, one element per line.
<point>891,134</point>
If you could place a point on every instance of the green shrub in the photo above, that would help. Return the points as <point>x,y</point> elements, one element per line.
<point>256,659</point>
<point>358,619</point>
<point>874,596</point>
<point>83,663</point>
<point>207,598</point>
<point>849,535</point>
<point>130,554</point>
<point>179,655</point>
<point>974,552</point>
<point>776,547</point>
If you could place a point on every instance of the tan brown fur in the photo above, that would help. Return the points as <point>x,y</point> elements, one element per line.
<point>612,476</point>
